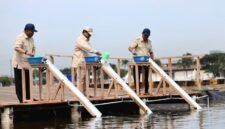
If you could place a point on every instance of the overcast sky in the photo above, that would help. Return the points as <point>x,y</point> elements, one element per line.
<point>178,26</point>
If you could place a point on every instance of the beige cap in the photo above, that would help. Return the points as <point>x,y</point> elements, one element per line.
<point>89,30</point>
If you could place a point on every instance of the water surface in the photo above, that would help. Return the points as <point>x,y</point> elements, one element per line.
<point>211,117</point>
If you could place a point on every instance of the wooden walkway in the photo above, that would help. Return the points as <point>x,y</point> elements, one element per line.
<point>69,104</point>
<point>8,96</point>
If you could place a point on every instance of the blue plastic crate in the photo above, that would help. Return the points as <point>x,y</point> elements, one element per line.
<point>141,58</point>
<point>69,77</point>
<point>35,60</point>
<point>92,59</point>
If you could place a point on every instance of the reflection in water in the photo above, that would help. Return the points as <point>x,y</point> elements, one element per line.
<point>6,118</point>
<point>212,118</point>
<point>7,125</point>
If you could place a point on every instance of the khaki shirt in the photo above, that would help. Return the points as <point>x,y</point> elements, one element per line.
<point>141,47</point>
<point>19,59</point>
<point>82,49</point>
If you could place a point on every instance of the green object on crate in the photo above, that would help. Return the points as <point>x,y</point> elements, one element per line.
<point>105,55</point>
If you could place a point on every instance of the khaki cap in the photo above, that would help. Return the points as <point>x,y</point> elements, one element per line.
<point>89,30</point>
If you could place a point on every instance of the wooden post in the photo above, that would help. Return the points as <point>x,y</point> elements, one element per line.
<point>73,75</point>
<point>198,80</point>
<point>40,83</point>
<point>143,79</point>
<point>137,78</point>
<point>94,79</point>
<point>87,73</point>
<point>79,77</point>
<point>164,87</point>
<point>150,80</point>
<point>170,72</point>
<point>129,75</point>
<point>48,81</point>
<point>102,82</point>
<point>170,67</point>
<point>51,78</point>
<point>118,67</point>
<point>63,93</point>
<point>31,83</point>
<point>117,87</point>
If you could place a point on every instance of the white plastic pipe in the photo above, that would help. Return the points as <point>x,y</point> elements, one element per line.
<point>107,68</point>
<point>83,100</point>
<point>175,85</point>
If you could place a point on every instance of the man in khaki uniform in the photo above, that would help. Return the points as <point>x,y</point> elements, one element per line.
<point>142,46</point>
<point>82,49</point>
<point>24,48</point>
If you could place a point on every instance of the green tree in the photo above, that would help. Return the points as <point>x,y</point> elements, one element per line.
<point>158,62</point>
<point>214,63</point>
<point>186,62</point>
<point>5,80</point>
<point>124,63</point>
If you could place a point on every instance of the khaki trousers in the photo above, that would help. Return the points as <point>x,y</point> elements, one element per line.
<point>81,81</point>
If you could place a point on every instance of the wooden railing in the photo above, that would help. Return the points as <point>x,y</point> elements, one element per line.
<point>154,90</point>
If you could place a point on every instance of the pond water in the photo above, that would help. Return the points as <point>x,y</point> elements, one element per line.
<point>211,117</point>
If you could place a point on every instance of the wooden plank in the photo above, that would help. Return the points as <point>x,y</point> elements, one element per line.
<point>57,90</point>
<point>8,96</point>
<point>110,88</point>
<point>116,88</point>
<point>158,87</point>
